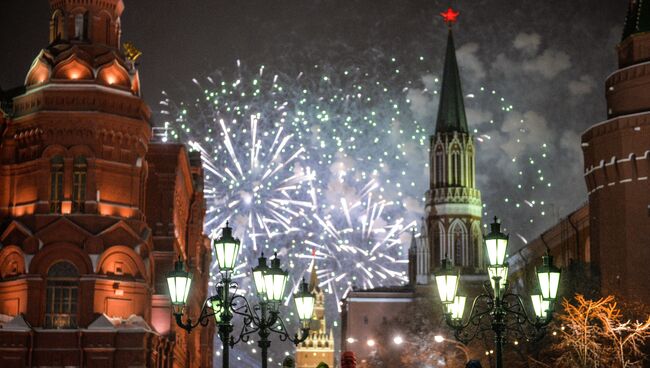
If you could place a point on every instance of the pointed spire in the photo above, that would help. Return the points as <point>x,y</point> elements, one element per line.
<point>451,110</point>
<point>313,278</point>
<point>638,18</point>
<point>413,246</point>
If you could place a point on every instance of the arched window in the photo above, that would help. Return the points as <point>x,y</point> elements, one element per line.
<point>56,180</point>
<point>456,167</point>
<point>62,295</point>
<point>458,246</point>
<point>57,26</point>
<point>79,184</point>
<point>458,243</point>
<point>81,26</point>
<point>470,168</point>
<point>440,167</point>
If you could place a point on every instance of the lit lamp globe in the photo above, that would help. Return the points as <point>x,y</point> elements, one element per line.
<point>502,273</point>
<point>457,308</point>
<point>304,303</point>
<point>540,306</point>
<point>258,277</point>
<point>178,282</point>
<point>447,281</point>
<point>496,243</point>
<point>275,280</point>
<point>226,248</point>
<point>549,278</point>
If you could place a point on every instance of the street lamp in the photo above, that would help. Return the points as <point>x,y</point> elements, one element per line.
<point>447,282</point>
<point>304,303</point>
<point>270,284</point>
<point>178,282</point>
<point>226,248</point>
<point>264,318</point>
<point>549,278</point>
<point>498,310</point>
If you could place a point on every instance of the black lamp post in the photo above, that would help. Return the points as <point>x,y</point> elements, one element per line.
<point>497,309</point>
<point>263,318</point>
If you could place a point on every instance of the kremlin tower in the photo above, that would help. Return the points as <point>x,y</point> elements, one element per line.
<point>617,165</point>
<point>452,227</point>
<point>92,214</point>
<point>319,346</point>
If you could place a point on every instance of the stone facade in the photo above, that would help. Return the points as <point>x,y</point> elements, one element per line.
<point>92,214</point>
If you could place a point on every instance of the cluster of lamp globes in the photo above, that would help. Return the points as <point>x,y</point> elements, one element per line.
<point>270,282</point>
<point>496,242</point>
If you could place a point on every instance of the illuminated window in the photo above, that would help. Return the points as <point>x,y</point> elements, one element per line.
<point>79,184</point>
<point>56,179</point>
<point>62,296</point>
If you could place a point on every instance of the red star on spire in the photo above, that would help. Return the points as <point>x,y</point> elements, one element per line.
<point>449,16</point>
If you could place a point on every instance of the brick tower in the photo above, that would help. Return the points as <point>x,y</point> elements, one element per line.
<point>453,204</point>
<point>80,266</point>
<point>617,165</point>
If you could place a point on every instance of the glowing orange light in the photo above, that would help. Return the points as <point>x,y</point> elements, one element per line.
<point>450,16</point>
<point>110,79</point>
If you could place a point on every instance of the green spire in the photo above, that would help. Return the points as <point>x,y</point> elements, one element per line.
<point>451,110</point>
<point>637,19</point>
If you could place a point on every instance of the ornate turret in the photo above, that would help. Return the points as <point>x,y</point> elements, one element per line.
<point>453,206</point>
<point>85,48</point>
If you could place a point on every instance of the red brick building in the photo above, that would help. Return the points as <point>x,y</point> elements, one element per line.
<point>92,214</point>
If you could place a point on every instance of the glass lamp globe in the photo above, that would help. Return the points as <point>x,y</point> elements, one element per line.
<point>501,272</point>
<point>549,278</point>
<point>496,243</point>
<point>540,306</point>
<point>226,248</point>
<point>178,282</point>
<point>258,277</point>
<point>304,303</point>
<point>447,281</point>
<point>457,308</point>
<point>275,280</point>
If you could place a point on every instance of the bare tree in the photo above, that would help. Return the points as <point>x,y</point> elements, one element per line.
<point>595,333</point>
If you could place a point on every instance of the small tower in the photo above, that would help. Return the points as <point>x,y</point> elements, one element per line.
<point>413,253</point>
<point>319,346</point>
<point>453,204</point>
<point>423,256</point>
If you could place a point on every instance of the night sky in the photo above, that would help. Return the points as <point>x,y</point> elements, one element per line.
<point>548,59</point>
